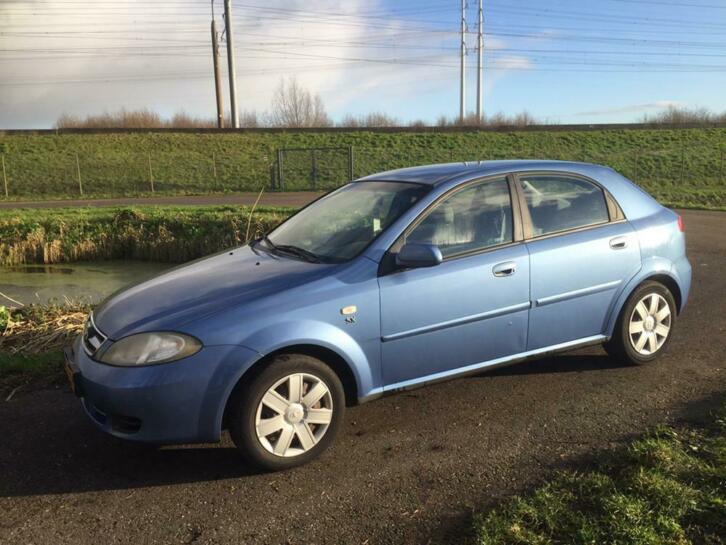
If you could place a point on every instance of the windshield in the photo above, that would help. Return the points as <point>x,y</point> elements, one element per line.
<point>340,225</point>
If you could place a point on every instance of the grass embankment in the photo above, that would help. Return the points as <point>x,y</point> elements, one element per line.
<point>31,340</point>
<point>170,234</point>
<point>683,167</point>
<point>669,487</point>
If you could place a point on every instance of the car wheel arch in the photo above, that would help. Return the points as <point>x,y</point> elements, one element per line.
<point>325,354</point>
<point>670,283</point>
<point>661,276</point>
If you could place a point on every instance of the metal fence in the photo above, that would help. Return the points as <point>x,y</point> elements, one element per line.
<point>27,176</point>
<point>313,168</point>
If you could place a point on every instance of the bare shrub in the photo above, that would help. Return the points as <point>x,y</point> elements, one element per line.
<point>499,119</point>
<point>295,106</point>
<point>127,119</point>
<point>123,119</point>
<point>417,124</point>
<point>183,120</point>
<point>373,120</point>
<point>678,115</point>
<point>250,120</point>
<point>147,119</point>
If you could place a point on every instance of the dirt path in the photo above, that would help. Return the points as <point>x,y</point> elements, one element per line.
<point>291,198</point>
<point>406,469</point>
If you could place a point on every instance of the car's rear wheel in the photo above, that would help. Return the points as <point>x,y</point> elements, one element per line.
<point>645,325</point>
<point>288,414</point>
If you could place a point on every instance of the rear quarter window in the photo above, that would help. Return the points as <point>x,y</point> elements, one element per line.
<point>561,203</point>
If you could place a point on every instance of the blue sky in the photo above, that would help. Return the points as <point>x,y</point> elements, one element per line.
<point>605,61</point>
<point>562,60</point>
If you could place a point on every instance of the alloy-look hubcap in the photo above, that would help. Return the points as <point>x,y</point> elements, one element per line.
<point>294,414</point>
<point>650,324</point>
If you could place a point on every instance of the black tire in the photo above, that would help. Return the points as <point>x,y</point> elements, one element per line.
<point>243,407</point>
<point>620,346</point>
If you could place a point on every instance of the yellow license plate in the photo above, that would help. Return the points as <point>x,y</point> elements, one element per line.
<point>71,378</point>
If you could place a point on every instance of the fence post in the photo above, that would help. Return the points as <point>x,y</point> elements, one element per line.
<point>78,170</point>
<point>314,163</point>
<point>720,171</point>
<point>151,174</point>
<point>280,180</point>
<point>214,168</point>
<point>350,163</point>
<point>5,177</point>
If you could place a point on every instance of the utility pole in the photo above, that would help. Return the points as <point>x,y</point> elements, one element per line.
<point>480,66</point>
<point>217,75</point>
<point>230,62</point>
<point>462,84</point>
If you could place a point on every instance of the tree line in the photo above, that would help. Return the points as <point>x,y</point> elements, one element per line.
<point>294,106</point>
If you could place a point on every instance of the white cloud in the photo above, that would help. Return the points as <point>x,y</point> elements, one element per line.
<point>634,108</point>
<point>59,57</point>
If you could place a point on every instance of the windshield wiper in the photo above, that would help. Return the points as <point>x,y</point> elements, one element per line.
<point>289,249</point>
<point>307,255</point>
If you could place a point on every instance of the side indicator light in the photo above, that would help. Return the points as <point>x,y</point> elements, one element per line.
<point>347,311</point>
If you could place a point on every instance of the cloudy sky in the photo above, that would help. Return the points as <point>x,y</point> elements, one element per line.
<point>562,60</point>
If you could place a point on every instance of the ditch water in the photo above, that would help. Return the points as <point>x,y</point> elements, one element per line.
<point>82,282</point>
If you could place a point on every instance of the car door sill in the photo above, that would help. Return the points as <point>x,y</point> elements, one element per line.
<point>490,364</point>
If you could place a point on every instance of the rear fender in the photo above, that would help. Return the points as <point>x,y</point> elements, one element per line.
<point>653,266</point>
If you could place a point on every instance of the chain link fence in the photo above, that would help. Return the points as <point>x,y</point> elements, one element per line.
<point>62,174</point>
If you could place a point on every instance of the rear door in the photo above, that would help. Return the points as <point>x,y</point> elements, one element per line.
<point>582,252</point>
<point>471,308</point>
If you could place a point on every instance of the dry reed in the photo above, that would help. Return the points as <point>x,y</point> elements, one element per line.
<point>34,329</point>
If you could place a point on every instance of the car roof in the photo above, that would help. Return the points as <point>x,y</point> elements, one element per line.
<point>438,174</point>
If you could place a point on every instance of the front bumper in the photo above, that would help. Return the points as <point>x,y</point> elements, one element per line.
<point>179,402</point>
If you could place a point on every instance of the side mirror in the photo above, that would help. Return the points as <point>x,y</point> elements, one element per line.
<point>414,256</point>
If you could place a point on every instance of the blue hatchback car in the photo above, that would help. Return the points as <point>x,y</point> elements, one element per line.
<point>392,281</point>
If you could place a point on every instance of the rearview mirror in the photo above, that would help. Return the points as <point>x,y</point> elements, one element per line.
<point>414,255</point>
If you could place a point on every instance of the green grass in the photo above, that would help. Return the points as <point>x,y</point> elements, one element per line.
<point>669,487</point>
<point>170,233</point>
<point>18,369</point>
<point>683,167</point>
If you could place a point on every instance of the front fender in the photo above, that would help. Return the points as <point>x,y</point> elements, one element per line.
<point>651,267</point>
<point>312,332</point>
<point>282,335</point>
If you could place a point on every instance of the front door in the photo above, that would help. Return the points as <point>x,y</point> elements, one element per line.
<point>471,308</point>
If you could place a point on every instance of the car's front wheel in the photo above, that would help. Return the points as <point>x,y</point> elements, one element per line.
<point>287,414</point>
<point>645,325</point>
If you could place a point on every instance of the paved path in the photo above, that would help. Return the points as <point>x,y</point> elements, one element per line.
<point>292,198</point>
<point>406,469</point>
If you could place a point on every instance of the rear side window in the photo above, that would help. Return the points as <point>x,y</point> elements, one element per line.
<point>474,218</point>
<point>559,203</point>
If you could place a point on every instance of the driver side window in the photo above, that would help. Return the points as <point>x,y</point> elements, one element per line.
<point>474,218</point>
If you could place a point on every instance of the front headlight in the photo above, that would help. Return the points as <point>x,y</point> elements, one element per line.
<point>150,349</point>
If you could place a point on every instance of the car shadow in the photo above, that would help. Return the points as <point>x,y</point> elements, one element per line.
<point>50,447</point>
<point>564,363</point>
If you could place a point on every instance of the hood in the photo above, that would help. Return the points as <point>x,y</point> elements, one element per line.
<point>191,291</point>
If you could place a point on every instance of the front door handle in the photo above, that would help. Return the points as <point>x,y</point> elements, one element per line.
<point>618,243</point>
<point>508,268</point>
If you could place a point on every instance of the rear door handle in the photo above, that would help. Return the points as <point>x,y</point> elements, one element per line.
<point>618,243</point>
<point>508,268</point>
